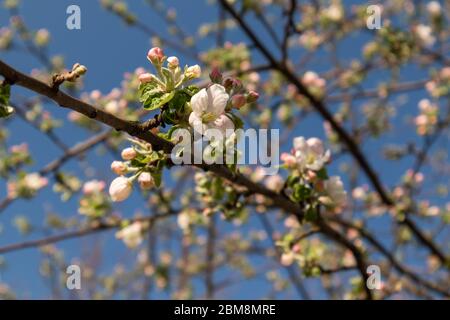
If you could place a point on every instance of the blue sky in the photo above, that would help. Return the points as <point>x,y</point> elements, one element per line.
<point>109,48</point>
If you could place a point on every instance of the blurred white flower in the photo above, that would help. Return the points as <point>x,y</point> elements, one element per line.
<point>131,235</point>
<point>335,194</point>
<point>424,33</point>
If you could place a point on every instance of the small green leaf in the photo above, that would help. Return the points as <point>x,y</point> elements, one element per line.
<point>322,174</point>
<point>311,214</point>
<point>191,90</point>
<point>238,123</point>
<point>157,178</point>
<point>158,100</point>
<point>148,90</point>
<point>301,192</point>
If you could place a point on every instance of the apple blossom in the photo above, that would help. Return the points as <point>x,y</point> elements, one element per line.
<point>128,154</point>
<point>35,181</point>
<point>309,154</point>
<point>193,72</point>
<point>208,107</point>
<point>120,189</point>
<point>173,62</point>
<point>434,8</point>
<point>146,181</point>
<point>287,259</point>
<point>334,13</point>
<point>424,33</point>
<point>275,183</point>
<point>119,167</point>
<point>155,55</point>
<point>335,195</point>
<point>132,235</point>
<point>112,107</point>
<point>93,186</point>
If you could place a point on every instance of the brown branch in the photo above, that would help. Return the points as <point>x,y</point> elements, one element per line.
<point>393,261</point>
<point>138,130</point>
<point>103,226</point>
<point>317,104</point>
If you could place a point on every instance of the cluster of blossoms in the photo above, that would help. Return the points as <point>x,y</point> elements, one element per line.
<point>205,111</point>
<point>26,185</point>
<point>310,39</point>
<point>42,118</point>
<point>439,86</point>
<point>308,180</point>
<point>17,156</point>
<point>143,163</point>
<point>314,83</point>
<point>94,202</point>
<point>428,117</point>
<point>333,13</point>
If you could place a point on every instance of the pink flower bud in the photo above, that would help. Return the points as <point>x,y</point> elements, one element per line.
<point>146,77</point>
<point>239,101</point>
<point>173,62</point>
<point>216,76</point>
<point>155,55</point>
<point>129,154</point>
<point>146,181</point>
<point>252,96</point>
<point>120,189</point>
<point>118,167</point>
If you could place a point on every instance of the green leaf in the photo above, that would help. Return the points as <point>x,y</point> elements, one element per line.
<point>158,100</point>
<point>301,192</point>
<point>157,178</point>
<point>191,90</point>
<point>179,100</point>
<point>148,90</point>
<point>238,123</point>
<point>322,174</point>
<point>311,214</point>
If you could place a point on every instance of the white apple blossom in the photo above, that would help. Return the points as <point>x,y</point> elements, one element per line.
<point>334,13</point>
<point>424,33</point>
<point>335,194</point>
<point>434,8</point>
<point>275,183</point>
<point>35,181</point>
<point>208,111</point>
<point>132,234</point>
<point>310,154</point>
<point>193,72</point>
<point>120,189</point>
<point>93,186</point>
